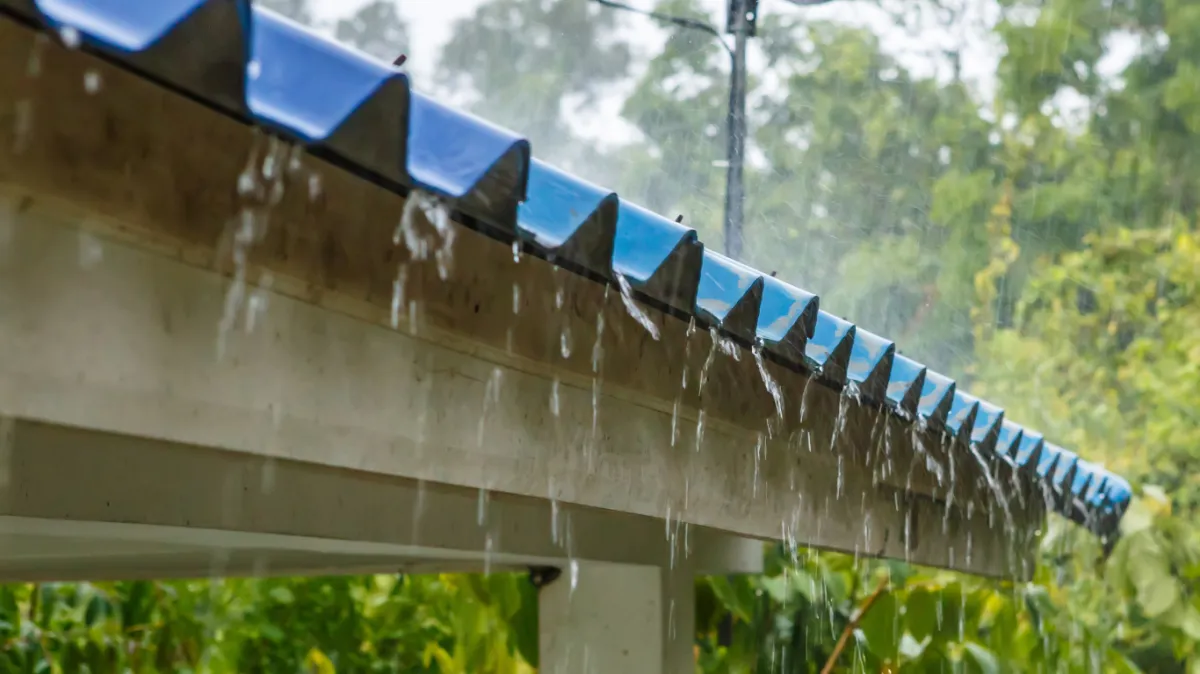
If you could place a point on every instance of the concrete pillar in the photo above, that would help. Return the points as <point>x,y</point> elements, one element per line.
<point>601,618</point>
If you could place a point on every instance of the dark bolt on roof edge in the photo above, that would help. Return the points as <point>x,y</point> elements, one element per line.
<point>362,113</point>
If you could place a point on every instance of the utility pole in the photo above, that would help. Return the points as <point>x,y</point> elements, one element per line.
<point>742,22</point>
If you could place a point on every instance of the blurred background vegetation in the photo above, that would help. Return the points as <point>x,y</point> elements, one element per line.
<point>1034,235</point>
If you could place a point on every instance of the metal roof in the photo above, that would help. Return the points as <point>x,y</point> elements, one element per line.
<point>362,113</point>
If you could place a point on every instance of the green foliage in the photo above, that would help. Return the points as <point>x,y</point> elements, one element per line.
<point>447,624</point>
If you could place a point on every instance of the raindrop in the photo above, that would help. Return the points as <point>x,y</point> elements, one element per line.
<point>256,305</point>
<point>33,67</point>
<point>398,294</point>
<point>91,251</point>
<point>481,507</point>
<point>254,69</point>
<point>516,250</point>
<point>516,299</point>
<point>768,380</point>
<point>554,403</point>
<point>675,422</point>
<point>634,310</point>
<point>760,449</point>
<point>574,565</point>
<point>92,81</point>
<point>71,38</point>
<point>22,124</point>
<point>314,186</point>
<point>491,397</point>
<point>564,340</point>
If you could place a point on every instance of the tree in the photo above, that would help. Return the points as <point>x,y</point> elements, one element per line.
<point>296,10</point>
<point>530,64</point>
<point>377,29</point>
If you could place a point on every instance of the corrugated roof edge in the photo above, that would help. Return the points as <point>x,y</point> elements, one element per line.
<point>343,104</point>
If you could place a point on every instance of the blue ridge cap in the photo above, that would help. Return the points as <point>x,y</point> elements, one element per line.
<point>729,295</point>
<point>828,350</point>
<point>787,318</point>
<point>1029,451</point>
<point>200,46</point>
<point>460,156</point>
<point>1081,482</point>
<point>328,94</point>
<point>986,430</point>
<point>308,89</point>
<point>1096,496</point>
<point>1048,460</point>
<point>659,257</point>
<point>1117,491</point>
<point>937,397</point>
<point>905,385</point>
<point>569,218</point>
<point>1064,471</point>
<point>870,364</point>
<point>127,25</point>
<point>1008,441</point>
<point>960,422</point>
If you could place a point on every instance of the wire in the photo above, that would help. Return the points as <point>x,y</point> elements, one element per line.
<point>681,21</point>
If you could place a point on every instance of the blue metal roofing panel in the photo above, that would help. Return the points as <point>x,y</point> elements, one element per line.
<point>657,256</point>
<point>787,317</point>
<point>905,385</point>
<point>569,219</point>
<point>257,64</point>
<point>1029,452</point>
<point>450,152</point>
<point>729,295</point>
<point>937,397</point>
<point>304,83</point>
<point>961,419</point>
<point>870,364</point>
<point>1008,441</point>
<point>1048,460</point>
<point>127,25</point>
<point>987,426</point>
<point>828,350</point>
<point>199,46</point>
<point>558,205</point>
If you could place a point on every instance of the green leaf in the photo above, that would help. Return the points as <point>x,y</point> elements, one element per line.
<point>920,614</point>
<point>776,588</point>
<point>984,661</point>
<point>524,624</point>
<point>880,626</point>
<point>281,594</point>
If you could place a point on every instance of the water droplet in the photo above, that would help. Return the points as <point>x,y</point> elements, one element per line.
<point>516,249</point>
<point>91,251</point>
<point>516,299</point>
<point>254,69</point>
<point>398,294</point>
<point>314,186</point>
<point>554,402</point>
<point>768,380</point>
<point>634,310</point>
<point>574,565</point>
<point>564,340</point>
<point>71,37</point>
<point>92,81</point>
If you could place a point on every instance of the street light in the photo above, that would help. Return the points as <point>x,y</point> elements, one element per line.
<point>742,22</point>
